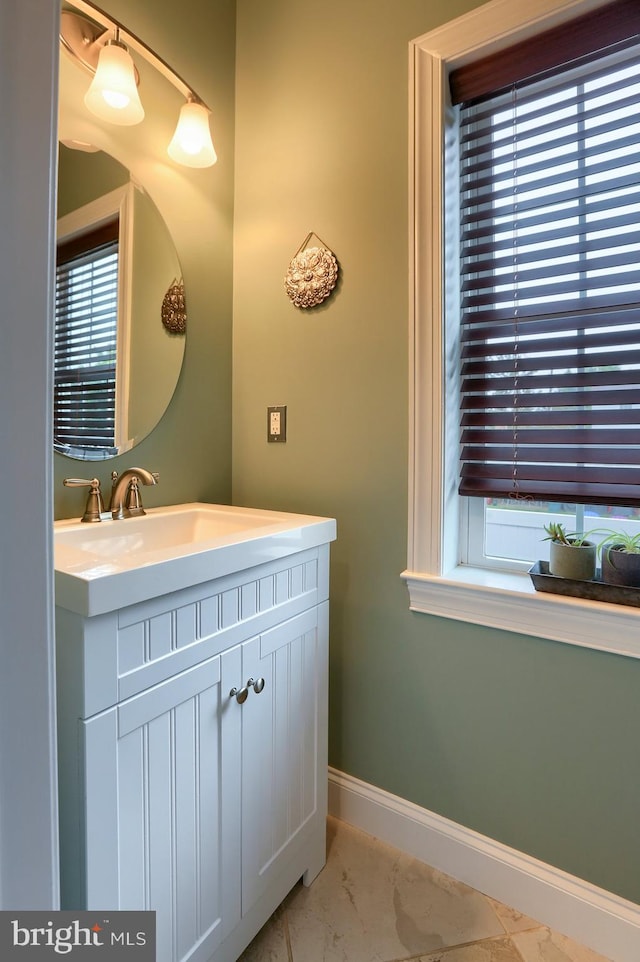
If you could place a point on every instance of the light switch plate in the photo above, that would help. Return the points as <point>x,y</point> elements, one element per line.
<point>277,423</point>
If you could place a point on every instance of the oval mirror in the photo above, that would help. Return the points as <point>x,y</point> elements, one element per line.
<point>120,319</point>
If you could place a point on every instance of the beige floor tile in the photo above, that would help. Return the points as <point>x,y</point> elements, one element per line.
<point>371,903</point>
<point>542,945</point>
<point>513,920</point>
<point>270,944</point>
<point>495,950</point>
<point>374,904</point>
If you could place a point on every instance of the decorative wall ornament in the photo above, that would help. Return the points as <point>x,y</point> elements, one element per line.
<point>312,274</point>
<point>174,311</point>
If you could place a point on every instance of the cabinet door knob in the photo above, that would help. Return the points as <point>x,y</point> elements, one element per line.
<point>257,685</point>
<point>240,694</point>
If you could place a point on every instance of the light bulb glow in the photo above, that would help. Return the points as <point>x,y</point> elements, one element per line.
<point>113,94</point>
<point>191,144</point>
<point>116,99</point>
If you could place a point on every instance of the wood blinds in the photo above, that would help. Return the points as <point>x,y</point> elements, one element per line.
<point>85,343</point>
<point>550,265</point>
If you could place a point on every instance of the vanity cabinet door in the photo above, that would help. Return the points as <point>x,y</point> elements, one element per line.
<point>160,832</point>
<point>284,773</point>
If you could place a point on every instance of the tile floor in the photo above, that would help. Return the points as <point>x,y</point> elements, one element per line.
<point>372,903</point>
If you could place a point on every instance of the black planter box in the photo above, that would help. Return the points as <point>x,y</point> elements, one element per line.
<point>595,590</point>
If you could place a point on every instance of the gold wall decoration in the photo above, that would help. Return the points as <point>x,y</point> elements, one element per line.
<point>312,274</point>
<point>174,311</point>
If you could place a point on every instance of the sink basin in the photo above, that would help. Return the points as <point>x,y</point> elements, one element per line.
<point>159,530</point>
<point>107,565</point>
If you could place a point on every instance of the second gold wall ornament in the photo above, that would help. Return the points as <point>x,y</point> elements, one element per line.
<point>174,311</point>
<point>312,274</point>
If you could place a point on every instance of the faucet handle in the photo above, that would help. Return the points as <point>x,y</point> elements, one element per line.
<point>154,474</point>
<point>95,505</point>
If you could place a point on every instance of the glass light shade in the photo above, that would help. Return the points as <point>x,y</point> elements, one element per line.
<point>191,144</point>
<point>113,94</point>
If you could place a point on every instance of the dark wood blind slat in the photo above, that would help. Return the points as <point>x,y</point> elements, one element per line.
<point>554,381</point>
<point>568,435</point>
<point>551,419</point>
<point>557,473</point>
<point>560,399</point>
<point>536,454</point>
<point>573,491</point>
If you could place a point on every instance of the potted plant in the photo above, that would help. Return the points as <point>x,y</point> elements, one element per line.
<point>571,555</point>
<point>620,559</point>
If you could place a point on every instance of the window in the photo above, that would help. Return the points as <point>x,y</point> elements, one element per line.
<point>501,360</point>
<point>92,330</point>
<point>550,346</point>
<point>85,343</point>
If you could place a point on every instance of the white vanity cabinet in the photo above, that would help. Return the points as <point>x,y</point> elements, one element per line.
<point>177,792</point>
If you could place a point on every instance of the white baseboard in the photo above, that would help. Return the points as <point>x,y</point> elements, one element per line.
<point>598,919</point>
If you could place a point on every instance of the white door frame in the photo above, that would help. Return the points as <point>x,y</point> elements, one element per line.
<point>28,168</point>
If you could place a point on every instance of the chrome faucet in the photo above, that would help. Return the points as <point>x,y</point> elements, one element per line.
<point>125,492</point>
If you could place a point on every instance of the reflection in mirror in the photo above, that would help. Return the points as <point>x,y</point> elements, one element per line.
<point>116,363</point>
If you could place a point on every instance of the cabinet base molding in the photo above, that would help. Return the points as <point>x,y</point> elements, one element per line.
<point>601,920</point>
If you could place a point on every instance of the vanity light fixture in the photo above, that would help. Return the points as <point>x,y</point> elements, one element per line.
<point>98,42</point>
<point>191,143</point>
<point>113,94</point>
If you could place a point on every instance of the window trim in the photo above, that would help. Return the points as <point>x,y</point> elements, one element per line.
<point>436,583</point>
<point>117,202</point>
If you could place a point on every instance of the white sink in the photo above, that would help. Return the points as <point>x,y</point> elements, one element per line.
<point>109,564</point>
<point>161,529</point>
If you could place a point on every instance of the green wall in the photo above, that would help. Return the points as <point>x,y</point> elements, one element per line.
<point>84,176</point>
<point>191,446</point>
<point>527,741</point>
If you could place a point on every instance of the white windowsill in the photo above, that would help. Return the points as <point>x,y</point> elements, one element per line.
<point>509,601</point>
